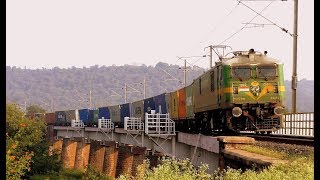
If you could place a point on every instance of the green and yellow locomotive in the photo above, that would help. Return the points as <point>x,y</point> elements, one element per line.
<point>244,92</point>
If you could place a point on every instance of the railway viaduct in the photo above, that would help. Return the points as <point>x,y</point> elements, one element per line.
<point>116,151</point>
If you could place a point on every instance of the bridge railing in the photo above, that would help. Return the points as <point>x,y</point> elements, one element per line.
<point>105,123</point>
<point>133,124</point>
<point>77,123</point>
<point>159,124</point>
<point>300,124</point>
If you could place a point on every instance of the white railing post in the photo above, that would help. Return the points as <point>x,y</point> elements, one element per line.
<point>159,124</point>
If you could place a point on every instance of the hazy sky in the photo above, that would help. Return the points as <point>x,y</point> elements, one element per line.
<point>79,33</point>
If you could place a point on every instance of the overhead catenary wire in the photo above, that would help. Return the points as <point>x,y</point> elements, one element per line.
<point>232,35</point>
<point>221,22</point>
<point>193,63</point>
<point>283,29</point>
<point>245,26</point>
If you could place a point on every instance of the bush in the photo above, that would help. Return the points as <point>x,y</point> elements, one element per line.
<point>172,168</point>
<point>92,174</point>
<point>26,148</point>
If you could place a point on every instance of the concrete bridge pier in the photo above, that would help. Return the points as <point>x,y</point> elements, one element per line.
<point>231,143</point>
<point>82,154</point>
<point>138,159</point>
<point>125,160</point>
<point>110,158</point>
<point>68,154</point>
<point>96,156</point>
<point>57,146</point>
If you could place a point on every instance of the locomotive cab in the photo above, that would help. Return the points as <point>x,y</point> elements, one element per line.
<point>257,92</point>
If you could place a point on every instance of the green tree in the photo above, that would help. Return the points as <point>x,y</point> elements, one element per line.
<point>25,143</point>
<point>35,109</point>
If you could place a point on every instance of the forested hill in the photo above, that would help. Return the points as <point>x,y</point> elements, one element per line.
<point>62,89</point>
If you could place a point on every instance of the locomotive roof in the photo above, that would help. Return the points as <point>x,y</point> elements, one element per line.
<point>249,58</point>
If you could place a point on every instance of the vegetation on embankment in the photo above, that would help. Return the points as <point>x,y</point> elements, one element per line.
<point>71,174</point>
<point>300,166</point>
<point>26,147</point>
<point>280,150</point>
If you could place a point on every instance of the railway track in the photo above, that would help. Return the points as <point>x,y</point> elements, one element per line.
<point>288,139</point>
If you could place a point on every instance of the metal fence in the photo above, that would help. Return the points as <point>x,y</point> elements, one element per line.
<point>159,124</point>
<point>133,124</point>
<point>300,124</point>
<point>105,123</point>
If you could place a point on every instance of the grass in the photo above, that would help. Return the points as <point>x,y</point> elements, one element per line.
<point>281,150</point>
<point>264,151</point>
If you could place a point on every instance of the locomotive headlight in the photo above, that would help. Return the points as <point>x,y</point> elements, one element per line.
<point>235,90</point>
<point>236,111</point>
<point>275,88</point>
<point>279,110</point>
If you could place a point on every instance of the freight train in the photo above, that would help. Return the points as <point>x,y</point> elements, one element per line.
<point>244,91</point>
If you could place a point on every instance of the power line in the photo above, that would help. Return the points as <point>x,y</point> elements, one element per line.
<point>200,59</point>
<point>245,24</point>
<point>283,29</point>
<point>221,22</point>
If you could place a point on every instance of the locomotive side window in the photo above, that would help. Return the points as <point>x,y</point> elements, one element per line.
<point>266,72</point>
<point>241,72</point>
<point>212,80</point>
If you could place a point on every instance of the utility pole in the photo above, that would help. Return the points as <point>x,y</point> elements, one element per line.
<point>210,56</point>
<point>144,88</point>
<point>90,98</point>
<point>185,73</point>
<point>125,93</point>
<point>211,48</point>
<point>51,104</point>
<point>295,46</point>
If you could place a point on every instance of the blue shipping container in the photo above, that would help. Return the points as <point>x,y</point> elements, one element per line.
<point>104,112</point>
<point>149,105</point>
<point>84,115</point>
<point>124,111</point>
<point>160,100</point>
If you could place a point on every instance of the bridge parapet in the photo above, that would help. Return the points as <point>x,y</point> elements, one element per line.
<point>133,124</point>
<point>159,125</point>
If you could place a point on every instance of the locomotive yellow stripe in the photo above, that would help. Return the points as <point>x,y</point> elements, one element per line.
<point>281,88</point>
<point>265,90</point>
<point>228,90</point>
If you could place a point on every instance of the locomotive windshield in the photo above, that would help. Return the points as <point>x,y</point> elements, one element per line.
<point>241,72</point>
<point>266,72</point>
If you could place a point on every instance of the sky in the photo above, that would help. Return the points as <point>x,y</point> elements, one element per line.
<point>81,33</point>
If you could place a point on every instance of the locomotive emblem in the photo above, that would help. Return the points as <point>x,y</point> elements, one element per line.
<point>255,88</point>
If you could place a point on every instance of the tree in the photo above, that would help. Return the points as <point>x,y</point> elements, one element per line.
<point>25,144</point>
<point>35,109</point>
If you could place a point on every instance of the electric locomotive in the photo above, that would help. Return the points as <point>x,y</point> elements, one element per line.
<point>244,92</point>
